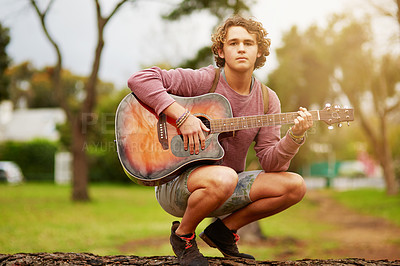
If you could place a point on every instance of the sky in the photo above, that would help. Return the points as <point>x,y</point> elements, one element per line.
<point>137,36</point>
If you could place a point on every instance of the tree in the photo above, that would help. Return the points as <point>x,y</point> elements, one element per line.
<point>360,74</point>
<point>18,87</point>
<point>31,87</point>
<point>304,65</point>
<point>389,9</point>
<point>79,115</point>
<point>346,66</point>
<point>4,62</point>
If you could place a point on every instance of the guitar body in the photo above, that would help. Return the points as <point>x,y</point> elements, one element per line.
<point>150,147</point>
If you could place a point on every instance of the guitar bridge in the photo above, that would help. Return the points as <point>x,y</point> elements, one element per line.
<point>162,131</point>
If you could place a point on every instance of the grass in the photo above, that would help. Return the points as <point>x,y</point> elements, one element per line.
<point>372,202</point>
<point>41,218</point>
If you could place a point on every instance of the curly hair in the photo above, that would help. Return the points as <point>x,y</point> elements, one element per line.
<point>253,27</point>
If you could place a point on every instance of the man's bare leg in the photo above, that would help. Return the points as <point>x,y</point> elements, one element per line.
<point>270,193</point>
<point>210,186</point>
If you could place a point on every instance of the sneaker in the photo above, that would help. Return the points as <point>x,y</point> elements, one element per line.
<point>185,248</point>
<point>217,235</point>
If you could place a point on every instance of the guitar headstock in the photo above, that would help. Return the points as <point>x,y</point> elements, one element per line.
<point>336,114</point>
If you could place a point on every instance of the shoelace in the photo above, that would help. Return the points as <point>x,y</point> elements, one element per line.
<point>237,237</point>
<point>187,240</point>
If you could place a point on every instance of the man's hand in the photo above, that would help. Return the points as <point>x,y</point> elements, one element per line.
<point>191,129</point>
<point>193,136</point>
<point>302,123</point>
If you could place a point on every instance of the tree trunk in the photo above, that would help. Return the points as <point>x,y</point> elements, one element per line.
<point>80,164</point>
<point>392,187</point>
<point>380,143</point>
<point>251,233</point>
<point>386,161</point>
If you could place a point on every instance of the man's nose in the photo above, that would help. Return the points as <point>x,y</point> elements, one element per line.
<point>241,47</point>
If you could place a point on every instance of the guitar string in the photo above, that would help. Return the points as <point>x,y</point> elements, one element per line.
<point>238,123</point>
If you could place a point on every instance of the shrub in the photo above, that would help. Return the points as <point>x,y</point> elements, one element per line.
<point>35,158</point>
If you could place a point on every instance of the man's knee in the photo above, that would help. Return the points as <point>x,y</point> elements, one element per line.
<point>220,181</point>
<point>297,187</point>
<point>224,179</point>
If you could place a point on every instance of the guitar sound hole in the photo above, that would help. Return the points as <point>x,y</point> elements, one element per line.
<point>206,122</point>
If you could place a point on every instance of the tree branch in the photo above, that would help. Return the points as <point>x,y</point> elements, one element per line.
<point>394,107</point>
<point>118,6</point>
<point>91,84</point>
<point>48,7</point>
<point>58,66</point>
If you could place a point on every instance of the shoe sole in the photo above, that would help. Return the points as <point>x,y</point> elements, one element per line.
<point>209,242</point>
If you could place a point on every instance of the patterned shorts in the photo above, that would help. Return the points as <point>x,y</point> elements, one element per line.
<point>173,196</point>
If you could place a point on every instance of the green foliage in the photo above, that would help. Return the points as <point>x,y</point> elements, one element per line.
<point>104,165</point>
<point>303,75</point>
<point>203,58</point>
<point>32,85</point>
<point>100,147</point>
<point>35,85</point>
<point>35,158</point>
<point>218,8</point>
<point>4,62</point>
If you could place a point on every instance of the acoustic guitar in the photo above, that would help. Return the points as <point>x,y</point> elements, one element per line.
<point>150,147</point>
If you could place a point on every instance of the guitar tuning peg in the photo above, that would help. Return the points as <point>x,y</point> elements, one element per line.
<point>330,127</point>
<point>339,125</point>
<point>348,123</point>
<point>328,106</point>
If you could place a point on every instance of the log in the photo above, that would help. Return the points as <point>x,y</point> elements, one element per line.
<point>65,259</point>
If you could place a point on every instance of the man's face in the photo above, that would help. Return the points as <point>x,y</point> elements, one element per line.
<point>240,50</point>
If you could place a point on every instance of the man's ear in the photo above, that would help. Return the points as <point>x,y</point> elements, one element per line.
<point>221,53</point>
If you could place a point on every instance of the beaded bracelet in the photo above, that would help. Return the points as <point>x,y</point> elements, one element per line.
<point>293,135</point>
<point>182,118</point>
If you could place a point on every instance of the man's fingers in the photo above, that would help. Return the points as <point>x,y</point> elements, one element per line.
<point>202,140</point>
<point>191,144</point>
<point>185,143</point>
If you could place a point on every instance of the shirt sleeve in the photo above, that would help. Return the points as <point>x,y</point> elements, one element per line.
<point>152,86</point>
<point>274,152</point>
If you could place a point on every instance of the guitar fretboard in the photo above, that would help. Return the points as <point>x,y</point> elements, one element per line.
<point>247,122</point>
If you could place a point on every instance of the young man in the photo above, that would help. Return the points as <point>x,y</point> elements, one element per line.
<point>240,45</point>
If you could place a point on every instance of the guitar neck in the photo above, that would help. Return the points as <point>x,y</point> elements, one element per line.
<point>247,122</point>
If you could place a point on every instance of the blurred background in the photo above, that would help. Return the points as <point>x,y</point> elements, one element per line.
<point>63,71</point>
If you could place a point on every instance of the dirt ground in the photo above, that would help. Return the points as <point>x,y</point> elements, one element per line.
<point>361,236</point>
<point>364,240</point>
